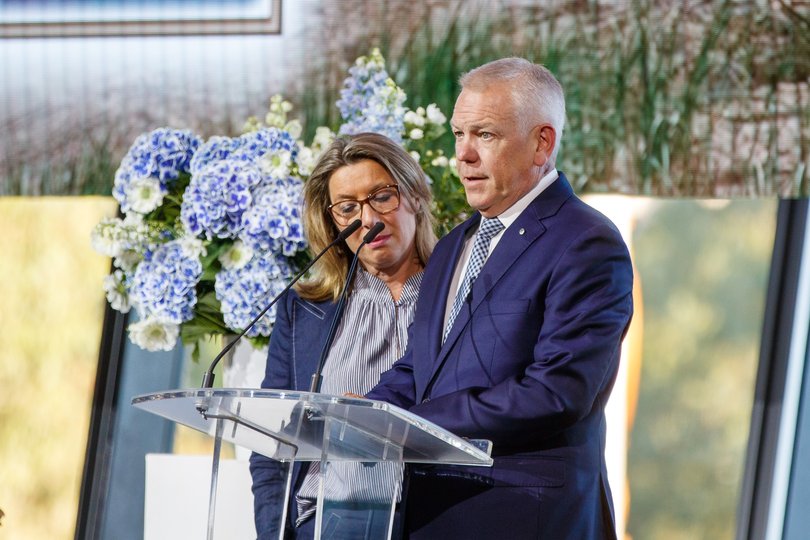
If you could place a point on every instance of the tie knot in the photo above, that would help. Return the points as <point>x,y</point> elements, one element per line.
<point>490,227</point>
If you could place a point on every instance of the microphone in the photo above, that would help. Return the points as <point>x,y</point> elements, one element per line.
<point>208,377</point>
<point>315,385</point>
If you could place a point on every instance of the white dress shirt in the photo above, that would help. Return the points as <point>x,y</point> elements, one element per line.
<point>507,217</point>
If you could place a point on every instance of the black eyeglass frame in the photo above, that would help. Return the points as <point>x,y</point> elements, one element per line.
<point>340,219</point>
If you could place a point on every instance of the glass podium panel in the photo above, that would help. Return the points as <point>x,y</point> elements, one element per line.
<point>287,425</point>
<point>360,447</point>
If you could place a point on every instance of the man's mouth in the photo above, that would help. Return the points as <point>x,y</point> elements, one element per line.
<point>473,178</point>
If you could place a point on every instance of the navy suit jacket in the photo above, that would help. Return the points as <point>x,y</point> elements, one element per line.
<point>529,363</point>
<point>298,336</point>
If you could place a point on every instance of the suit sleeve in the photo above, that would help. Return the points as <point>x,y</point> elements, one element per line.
<point>269,475</point>
<point>587,306</point>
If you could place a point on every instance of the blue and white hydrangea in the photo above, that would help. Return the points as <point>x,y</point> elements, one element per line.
<point>244,292</point>
<point>214,149</point>
<point>273,222</point>
<point>243,201</point>
<point>229,176</point>
<point>152,164</point>
<point>163,285</point>
<point>217,197</point>
<point>248,147</point>
<point>246,189</point>
<point>371,101</point>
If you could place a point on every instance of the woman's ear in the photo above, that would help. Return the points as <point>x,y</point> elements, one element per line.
<point>411,204</point>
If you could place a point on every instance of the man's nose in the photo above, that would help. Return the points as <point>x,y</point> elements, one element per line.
<point>465,151</point>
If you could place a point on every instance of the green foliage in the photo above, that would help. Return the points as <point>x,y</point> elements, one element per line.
<point>449,201</point>
<point>662,100</point>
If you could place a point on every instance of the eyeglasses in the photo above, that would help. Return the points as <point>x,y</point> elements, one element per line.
<point>383,201</point>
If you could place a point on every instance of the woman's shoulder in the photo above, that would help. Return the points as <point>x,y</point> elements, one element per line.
<point>318,308</point>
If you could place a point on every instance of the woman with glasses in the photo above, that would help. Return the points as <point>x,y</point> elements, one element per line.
<point>370,178</point>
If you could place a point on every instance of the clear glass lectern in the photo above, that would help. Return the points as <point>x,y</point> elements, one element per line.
<point>332,430</point>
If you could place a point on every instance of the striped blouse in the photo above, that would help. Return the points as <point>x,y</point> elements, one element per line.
<point>371,336</point>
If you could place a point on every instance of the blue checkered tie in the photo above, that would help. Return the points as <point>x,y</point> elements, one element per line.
<point>486,232</point>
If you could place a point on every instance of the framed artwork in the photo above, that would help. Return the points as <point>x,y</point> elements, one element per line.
<point>85,18</point>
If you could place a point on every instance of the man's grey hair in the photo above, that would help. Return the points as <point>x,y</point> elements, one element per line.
<point>537,94</point>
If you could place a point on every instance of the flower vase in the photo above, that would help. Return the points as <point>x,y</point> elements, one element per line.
<point>243,366</point>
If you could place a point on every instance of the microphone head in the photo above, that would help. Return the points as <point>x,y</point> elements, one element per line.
<point>373,232</point>
<point>349,230</point>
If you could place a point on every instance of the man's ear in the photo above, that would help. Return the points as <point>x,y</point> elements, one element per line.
<point>545,137</point>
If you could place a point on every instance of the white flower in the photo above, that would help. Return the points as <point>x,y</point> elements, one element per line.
<point>415,155</point>
<point>306,159</point>
<point>414,119</point>
<point>276,164</point>
<point>416,134</point>
<point>116,291</point>
<point>279,107</point>
<point>154,334</point>
<point>113,237</point>
<point>144,194</point>
<point>133,221</point>
<point>127,260</point>
<point>453,165</point>
<point>105,238</point>
<point>193,247</point>
<point>294,128</point>
<point>237,256</point>
<point>440,161</point>
<point>435,115</point>
<point>279,104</point>
<point>323,138</point>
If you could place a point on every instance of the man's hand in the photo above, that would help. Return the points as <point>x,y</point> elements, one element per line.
<point>350,394</point>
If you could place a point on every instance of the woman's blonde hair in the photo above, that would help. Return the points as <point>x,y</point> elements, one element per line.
<point>330,272</point>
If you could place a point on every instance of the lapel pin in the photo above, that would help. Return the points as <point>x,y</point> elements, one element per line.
<point>522,231</point>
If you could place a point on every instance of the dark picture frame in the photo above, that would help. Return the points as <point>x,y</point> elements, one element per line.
<point>97,18</point>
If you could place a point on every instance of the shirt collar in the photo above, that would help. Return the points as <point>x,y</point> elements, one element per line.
<point>509,215</point>
<point>367,285</point>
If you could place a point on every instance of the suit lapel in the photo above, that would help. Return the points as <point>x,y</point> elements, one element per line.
<point>436,291</point>
<point>517,238</point>
<point>310,328</point>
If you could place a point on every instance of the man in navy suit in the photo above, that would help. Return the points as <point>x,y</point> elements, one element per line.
<point>518,327</point>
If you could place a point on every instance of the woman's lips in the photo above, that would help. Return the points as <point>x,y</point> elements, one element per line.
<point>379,240</point>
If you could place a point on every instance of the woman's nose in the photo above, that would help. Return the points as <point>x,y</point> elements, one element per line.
<point>369,216</point>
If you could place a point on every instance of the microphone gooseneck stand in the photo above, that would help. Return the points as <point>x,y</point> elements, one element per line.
<point>315,385</point>
<point>208,376</point>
